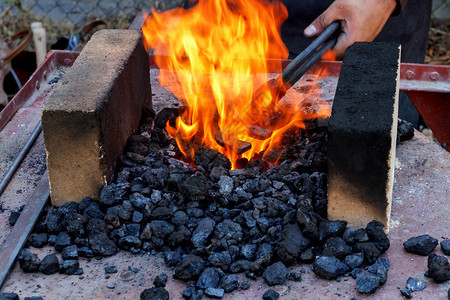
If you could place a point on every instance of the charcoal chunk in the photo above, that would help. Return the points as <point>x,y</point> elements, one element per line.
<point>210,278</point>
<point>220,259</point>
<point>102,245</point>
<point>160,280</point>
<point>9,296</point>
<point>202,232</point>
<point>96,226</point>
<point>405,130</point>
<point>421,245</point>
<point>329,229</point>
<point>74,224</point>
<point>291,244</point>
<point>370,251</point>
<point>70,252</point>
<point>352,236</point>
<point>406,293</point>
<point>380,268</point>
<point>179,218</point>
<point>438,268</point>
<point>248,251</point>
<point>190,267</point>
<point>214,293</point>
<point>129,242</point>
<point>336,247</point>
<point>39,240</point>
<point>270,294</point>
<point>69,267</point>
<point>93,211</point>
<point>329,267</point>
<point>275,274</point>
<point>415,285</point>
<point>229,283</point>
<point>54,221</point>
<point>376,235</point>
<point>110,269</point>
<point>309,224</point>
<point>155,293</point>
<point>354,260</point>
<point>445,246</point>
<point>62,241</point>
<point>49,265</point>
<point>161,229</point>
<point>294,276</point>
<point>241,265</point>
<point>367,283</point>
<point>29,262</point>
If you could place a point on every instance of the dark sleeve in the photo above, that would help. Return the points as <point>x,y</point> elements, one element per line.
<point>398,9</point>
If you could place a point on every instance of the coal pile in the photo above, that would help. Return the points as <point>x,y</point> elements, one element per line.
<point>210,222</point>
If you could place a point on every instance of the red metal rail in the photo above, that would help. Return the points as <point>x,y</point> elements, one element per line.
<point>428,86</point>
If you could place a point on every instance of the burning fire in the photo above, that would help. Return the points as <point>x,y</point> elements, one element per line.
<point>216,59</point>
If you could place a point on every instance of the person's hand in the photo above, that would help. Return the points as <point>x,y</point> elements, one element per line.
<point>361,21</point>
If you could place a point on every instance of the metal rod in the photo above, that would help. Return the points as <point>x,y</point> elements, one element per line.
<point>303,56</point>
<point>293,78</point>
<point>23,227</point>
<point>10,173</point>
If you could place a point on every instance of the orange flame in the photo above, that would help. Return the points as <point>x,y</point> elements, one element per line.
<point>212,58</point>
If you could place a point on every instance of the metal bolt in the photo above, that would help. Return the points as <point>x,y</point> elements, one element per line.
<point>38,84</point>
<point>410,75</point>
<point>434,76</point>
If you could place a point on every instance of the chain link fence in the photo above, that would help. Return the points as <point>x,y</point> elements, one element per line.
<point>65,17</point>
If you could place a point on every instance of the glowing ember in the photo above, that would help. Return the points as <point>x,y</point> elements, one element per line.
<point>214,57</point>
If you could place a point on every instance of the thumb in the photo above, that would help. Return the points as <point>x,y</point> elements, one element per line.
<point>319,24</point>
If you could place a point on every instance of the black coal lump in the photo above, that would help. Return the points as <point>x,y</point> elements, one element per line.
<point>354,260</point>
<point>210,278</point>
<point>445,246</point>
<point>329,229</point>
<point>110,269</point>
<point>376,235</point>
<point>336,247</point>
<point>421,245</point>
<point>190,267</point>
<point>62,241</point>
<point>367,283</point>
<point>39,240</point>
<point>70,252</point>
<point>214,293</point>
<point>33,298</point>
<point>9,296</point>
<point>329,267</point>
<point>380,268</point>
<point>230,283</point>
<point>49,265</point>
<point>275,274</point>
<point>160,280</point>
<point>270,294</point>
<point>29,262</point>
<point>291,244</point>
<point>438,268</point>
<point>155,293</point>
<point>69,267</point>
<point>370,251</point>
<point>415,285</point>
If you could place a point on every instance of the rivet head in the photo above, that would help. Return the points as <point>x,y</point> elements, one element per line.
<point>410,75</point>
<point>434,76</point>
